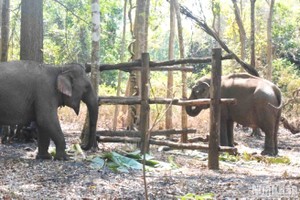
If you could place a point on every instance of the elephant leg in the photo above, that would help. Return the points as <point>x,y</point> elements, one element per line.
<point>50,128</point>
<point>270,143</point>
<point>43,145</point>
<point>223,133</point>
<point>268,126</point>
<point>230,133</point>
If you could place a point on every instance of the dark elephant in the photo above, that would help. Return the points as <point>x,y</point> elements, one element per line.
<point>258,106</point>
<point>31,91</point>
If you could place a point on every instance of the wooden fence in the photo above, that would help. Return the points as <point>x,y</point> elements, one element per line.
<point>143,135</point>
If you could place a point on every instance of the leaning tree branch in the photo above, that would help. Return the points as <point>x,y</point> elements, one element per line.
<point>69,10</point>
<point>210,32</point>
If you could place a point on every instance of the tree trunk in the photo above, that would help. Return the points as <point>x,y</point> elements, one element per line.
<point>4,29</point>
<point>269,42</point>
<point>252,39</point>
<point>242,32</point>
<point>115,120</point>
<point>95,9</point>
<point>31,30</point>
<point>184,124</point>
<point>169,113</point>
<point>139,46</point>
<point>1,11</point>
<point>216,10</point>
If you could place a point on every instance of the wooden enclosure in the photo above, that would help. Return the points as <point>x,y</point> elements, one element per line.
<point>143,135</point>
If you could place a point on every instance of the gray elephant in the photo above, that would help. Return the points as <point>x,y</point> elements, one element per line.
<point>258,106</point>
<point>30,91</point>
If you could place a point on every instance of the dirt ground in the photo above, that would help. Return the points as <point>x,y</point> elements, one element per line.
<point>23,177</point>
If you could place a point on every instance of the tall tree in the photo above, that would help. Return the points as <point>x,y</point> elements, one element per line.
<point>5,21</point>
<point>216,10</point>
<point>184,137</point>
<point>252,39</point>
<point>1,11</point>
<point>140,31</point>
<point>122,50</point>
<point>31,30</point>
<point>242,32</point>
<point>169,113</point>
<point>95,58</point>
<point>269,41</point>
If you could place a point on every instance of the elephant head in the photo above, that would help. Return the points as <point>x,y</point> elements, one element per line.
<point>200,90</point>
<point>75,86</point>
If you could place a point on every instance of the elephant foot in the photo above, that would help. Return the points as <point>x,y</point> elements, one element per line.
<point>269,152</point>
<point>46,156</point>
<point>63,157</point>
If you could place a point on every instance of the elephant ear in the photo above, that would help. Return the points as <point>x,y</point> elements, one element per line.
<point>64,84</point>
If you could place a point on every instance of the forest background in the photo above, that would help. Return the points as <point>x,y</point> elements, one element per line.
<point>67,36</point>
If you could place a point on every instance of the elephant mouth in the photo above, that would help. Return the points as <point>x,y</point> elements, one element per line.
<point>76,108</point>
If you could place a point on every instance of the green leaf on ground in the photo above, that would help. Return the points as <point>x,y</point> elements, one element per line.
<point>191,196</point>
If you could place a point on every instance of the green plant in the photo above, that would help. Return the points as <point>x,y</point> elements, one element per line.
<point>191,196</point>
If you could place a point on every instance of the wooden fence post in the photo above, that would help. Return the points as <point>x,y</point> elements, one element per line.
<point>215,109</point>
<point>145,108</point>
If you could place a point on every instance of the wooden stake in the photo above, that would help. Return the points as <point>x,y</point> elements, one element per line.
<point>145,108</point>
<point>215,110</point>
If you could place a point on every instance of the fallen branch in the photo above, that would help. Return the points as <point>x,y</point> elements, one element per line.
<point>294,129</point>
<point>199,139</point>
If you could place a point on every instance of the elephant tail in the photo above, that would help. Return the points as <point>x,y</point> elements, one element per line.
<point>277,112</point>
<point>278,98</point>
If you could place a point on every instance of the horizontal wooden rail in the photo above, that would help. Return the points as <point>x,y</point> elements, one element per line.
<point>174,145</point>
<point>127,133</point>
<point>195,102</point>
<point>136,65</point>
<point>187,61</point>
<point>112,100</point>
<point>173,68</point>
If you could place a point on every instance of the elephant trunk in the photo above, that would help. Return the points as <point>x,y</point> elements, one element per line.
<point>193,110</point>
<point>89,135</point>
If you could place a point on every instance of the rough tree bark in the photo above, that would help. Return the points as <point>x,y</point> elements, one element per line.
<point>4,29</point>
<point>115,120</point>
<point>242,32</point>
<point>95,9</point>
<point>216,10</point>
<point>1,11</point>
<point>252,37</point>
<point>184,122</point>
<point>269,41</point>
<point>169,112</point>
<point>31,30</point>
<point>139,46</point>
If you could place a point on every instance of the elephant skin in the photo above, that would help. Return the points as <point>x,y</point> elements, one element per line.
<point>31,91</point>
<point>258,105</point>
